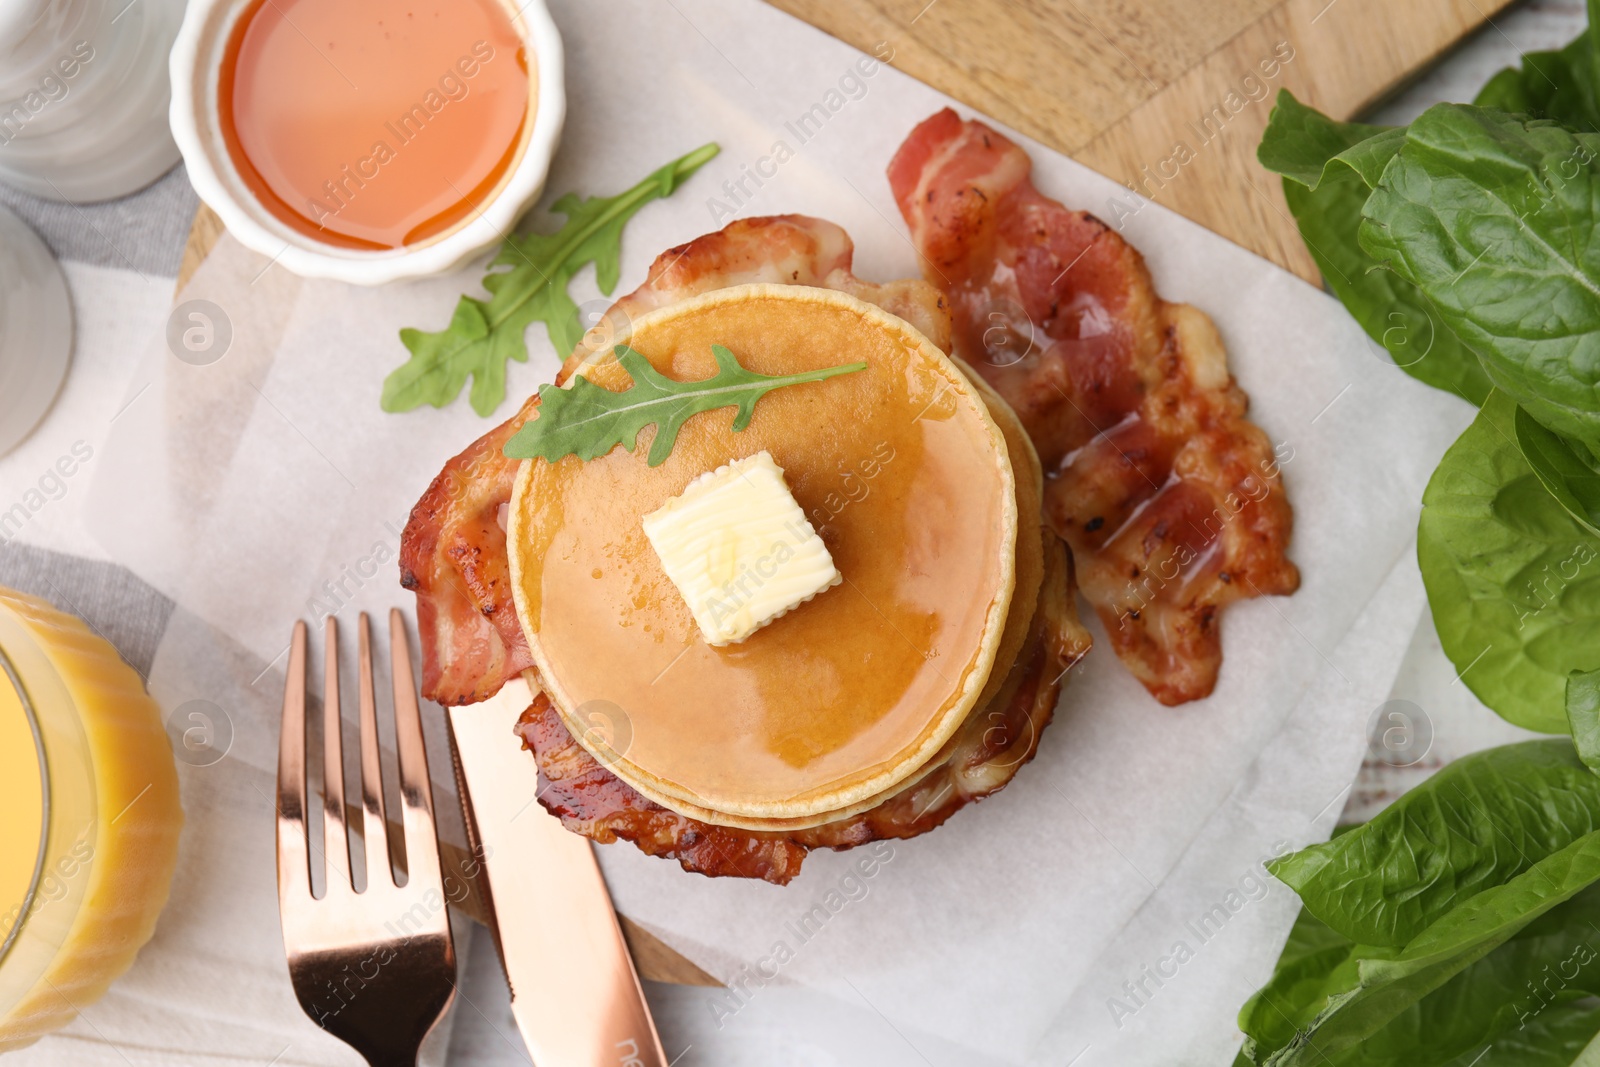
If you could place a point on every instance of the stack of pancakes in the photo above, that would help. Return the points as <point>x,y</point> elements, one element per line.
<point>924,488</point>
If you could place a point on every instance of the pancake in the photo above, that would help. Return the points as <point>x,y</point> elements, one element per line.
<point>1030,622</point>
<point>910,483</point>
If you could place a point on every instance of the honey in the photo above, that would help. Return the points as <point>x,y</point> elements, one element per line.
<point>371,124</point>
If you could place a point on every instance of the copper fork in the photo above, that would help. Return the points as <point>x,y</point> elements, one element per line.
<point>376,969</point>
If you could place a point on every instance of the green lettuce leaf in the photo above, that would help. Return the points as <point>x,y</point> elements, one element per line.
<point>1513,580</point>
<point>484,334</point>
<point>1583,715</point>
<point>1544,967</point>
<point>1519,1000</point>
<point>1386,985</point>
<point>1297,990</point>
<point>1480,822</point>
<point>1566,468</point>
<point>1494,218</point>
<point>1328,167</point>
<point>1308,148</point>
<point>1552,85</point>
<point>1485,880</point>
<point>1561,1036</point>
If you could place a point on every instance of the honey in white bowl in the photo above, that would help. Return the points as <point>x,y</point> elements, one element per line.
<point>374,125</point>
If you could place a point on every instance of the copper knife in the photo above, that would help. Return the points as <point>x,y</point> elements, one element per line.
<point>574,990</point>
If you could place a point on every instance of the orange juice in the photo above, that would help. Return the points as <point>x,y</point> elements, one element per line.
<point>22,831</point>
<point>375,124</point>
<point>89,838</point>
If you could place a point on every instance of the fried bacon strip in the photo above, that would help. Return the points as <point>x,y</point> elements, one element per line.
<point>1169,497</point>
<point>453,556</point>
<point>777,249</point>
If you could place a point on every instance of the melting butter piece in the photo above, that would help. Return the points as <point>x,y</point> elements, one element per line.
<point>739,549</point>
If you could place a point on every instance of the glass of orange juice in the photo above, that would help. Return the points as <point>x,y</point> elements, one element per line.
<point>89,837</point>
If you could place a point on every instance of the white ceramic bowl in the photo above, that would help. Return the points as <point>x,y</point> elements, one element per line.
<point>196,126</point>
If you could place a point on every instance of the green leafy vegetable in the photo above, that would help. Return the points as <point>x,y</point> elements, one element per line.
<point>1308,148</point>
<point>1385,986</point>
<point>1461,927</point>
<point>1481,821</point>
<point>484,334</point>
<point>1493,217</point>
<point>1552,85</point>
<point>1328,167</point>
<point>1520,995</point>
<point>1425,931</point>
<point>1297,990</point>
<point>1513,580</point>
<point>1549,85</point>
<point>1559,1037</point>
<point>588,420</point>
<point>1562,1036</point>
<point>1495,996</point>
<point>1565,467</point>
<point>1583,715</point>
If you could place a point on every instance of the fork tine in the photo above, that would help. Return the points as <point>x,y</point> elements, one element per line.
<point>396,942</point>
<point>416,791</point>
<point>374,827</point>
<point>294,857</point>
<point>335,838</point>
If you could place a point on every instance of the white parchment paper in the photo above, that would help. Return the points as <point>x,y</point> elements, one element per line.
<point>1110,903</point>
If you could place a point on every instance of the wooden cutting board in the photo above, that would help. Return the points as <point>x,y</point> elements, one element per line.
<point>1169,96</point>
<point>1126,86</point>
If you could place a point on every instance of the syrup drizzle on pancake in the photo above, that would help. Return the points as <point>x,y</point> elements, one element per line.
<point>845,696</point>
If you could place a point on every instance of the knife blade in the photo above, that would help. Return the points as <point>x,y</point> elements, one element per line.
<point>574,991</point>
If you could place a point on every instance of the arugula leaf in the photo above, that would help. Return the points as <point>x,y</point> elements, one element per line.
<point>1513,580</point>
<point>1484,819</point>
<point>1553,85</point>
<point>484,334</point>
<point>1564,467</point>
<point>1387,984</point>
<point>1493,217</point>
<point>589,420</point>
<point>1328,167</point>
<point>1583,715</point>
